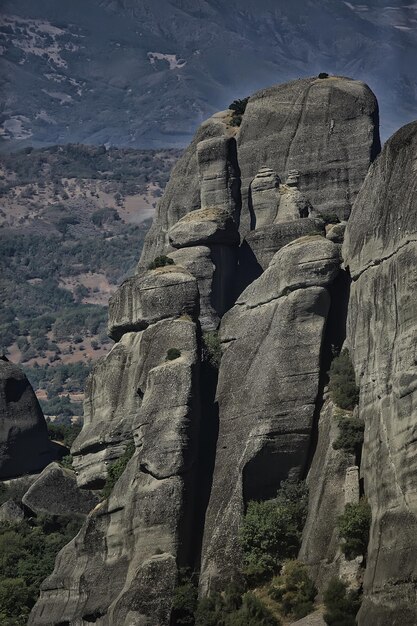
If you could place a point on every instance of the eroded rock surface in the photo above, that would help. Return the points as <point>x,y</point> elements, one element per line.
<point>144,299</point>
<point>25,446</point>
<point>268,384</point>
<point>381,252</point>
<point>128,552</point>
<point>55,492</point>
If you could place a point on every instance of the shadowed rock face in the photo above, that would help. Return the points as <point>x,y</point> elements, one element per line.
<point>381,252</point>
<point>268,384</point>
<point>24,443</point>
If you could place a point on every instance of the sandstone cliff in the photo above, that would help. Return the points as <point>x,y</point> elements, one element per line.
<point>244,223</point>
<point>380,251</point>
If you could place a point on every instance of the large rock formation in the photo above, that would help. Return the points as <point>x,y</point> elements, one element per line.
<point>380,251</point>
<point>128,552</point>
<point>325,129</point>
<point>267,391</point>
<point>24,443</point>
<point>319,136</point>
<point>55,492</point>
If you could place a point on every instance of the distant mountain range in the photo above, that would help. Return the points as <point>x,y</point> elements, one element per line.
<point>145,73</point>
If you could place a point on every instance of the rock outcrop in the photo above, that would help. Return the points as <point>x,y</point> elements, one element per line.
<point>129,550</point>
<point>268,385</point>
<point>55,492</point>
<point>380,251</point>
<point>250,254</point>
<point>325,130</point>
<point>24,443</point>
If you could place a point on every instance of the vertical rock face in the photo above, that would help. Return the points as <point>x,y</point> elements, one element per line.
<point>268,384</point>
<point>24,443</point>
<point>326,481</point>
<point>327,129</point>
<point>128,552</point>
<point>264,196</point>
<point>380,251</point>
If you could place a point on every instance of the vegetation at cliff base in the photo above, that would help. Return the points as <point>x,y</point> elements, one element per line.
<point>271,531</point>
<point>27,556</point>
<point>342,383</point>
<point>341,605</point>
<point>234,609</point>
<point>353,526</point>
<point>117,468</point>
<point>294,590</point>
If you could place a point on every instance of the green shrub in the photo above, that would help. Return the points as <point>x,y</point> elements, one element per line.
<point>27,556</point>
<point>172,354</point>
<point>342,384</point>
<point>230,609</point>
<point>354,527</point>
<point>323,75</point>
<point>294,590</point>
<point>185,598</point>
<point>271,531</point>
<point>212,352</point>
<point>117,468</point>
<point>350,438</point>
<point>341,605</point>
<point>238,107</point>
<point>160,261</point>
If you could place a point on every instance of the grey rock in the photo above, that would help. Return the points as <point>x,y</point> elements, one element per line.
<point>219,174</point>
<point>268,383</point>
<point>24,443</point>
<point>313,126</point>
<point>380,250</point>
<point>292,203</point>
<point>206,226</point>
<point>114,394</point>
<point>55,492</point>
<point>122,566</point>
<point>314,619</point>
<point>310,125</point>
<point>265,241</point>
<point>182,193</point>
<point>10,511</point>
<point>264,196</point>
<point>147,298</point>
<point>336,232</point>
<point>320,548</point>
<point>198,261</point>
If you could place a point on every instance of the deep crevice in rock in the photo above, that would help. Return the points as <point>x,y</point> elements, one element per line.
<point>333,338</point>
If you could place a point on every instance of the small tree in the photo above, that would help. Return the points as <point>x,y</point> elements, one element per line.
<point>172,354</point>
<point>294,590</point>
<point>341,605</point>
<point>350,437</point>
<point>354,527</point>
<point>160,261</point>
<point>342,384</point>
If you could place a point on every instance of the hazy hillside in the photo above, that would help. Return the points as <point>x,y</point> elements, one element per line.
<point>142,73</point>
<point>72,220</point>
